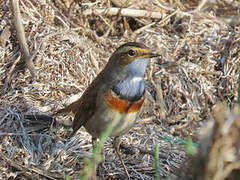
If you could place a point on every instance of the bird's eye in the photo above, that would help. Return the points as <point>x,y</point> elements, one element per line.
<point>131,52</point>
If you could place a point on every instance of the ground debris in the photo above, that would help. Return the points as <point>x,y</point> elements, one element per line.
<point>183,85</point>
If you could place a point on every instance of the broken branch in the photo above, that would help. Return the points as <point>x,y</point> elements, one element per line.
<point>124,12</point>
<point>21,37</point>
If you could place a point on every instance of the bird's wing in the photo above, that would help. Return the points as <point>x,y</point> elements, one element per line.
<point>85,109</point>
<point>84,103</point>
<point>86,106</point>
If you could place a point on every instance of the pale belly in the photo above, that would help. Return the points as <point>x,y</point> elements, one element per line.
<point>101,120</point>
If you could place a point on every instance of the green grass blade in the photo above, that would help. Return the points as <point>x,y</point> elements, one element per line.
<point>156,163</point>
<point>96,156</point>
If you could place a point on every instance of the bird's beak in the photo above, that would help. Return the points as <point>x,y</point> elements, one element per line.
<point>151,55</point>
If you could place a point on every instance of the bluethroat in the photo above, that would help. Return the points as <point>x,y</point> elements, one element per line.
<point>116,94</point>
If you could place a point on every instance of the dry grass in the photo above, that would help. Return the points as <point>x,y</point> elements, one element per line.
<point>181,94</point>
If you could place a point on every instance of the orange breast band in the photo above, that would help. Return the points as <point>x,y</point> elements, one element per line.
<point>121,105</point>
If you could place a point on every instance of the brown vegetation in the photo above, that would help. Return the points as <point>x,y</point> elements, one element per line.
<point>199,43</point>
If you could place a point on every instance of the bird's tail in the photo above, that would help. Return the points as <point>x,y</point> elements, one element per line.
<point>65,110</point>
<point>68,109</point>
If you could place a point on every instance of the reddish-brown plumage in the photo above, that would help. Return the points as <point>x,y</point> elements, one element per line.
<point>121,105</point>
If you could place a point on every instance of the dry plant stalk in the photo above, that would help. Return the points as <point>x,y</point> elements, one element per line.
<point>21,37</point>
<point>124,12</point>
<point>12,68</point>
<point>28,170</point>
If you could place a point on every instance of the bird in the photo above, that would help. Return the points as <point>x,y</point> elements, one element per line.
<point>116,94</point>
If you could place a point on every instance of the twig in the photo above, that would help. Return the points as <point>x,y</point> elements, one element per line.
<point>124,12</point>
<point>64,18</point>
<point>21,37</point>
<point>164,21</point>
<point>132,150</point>
<point>201,5</point>
<point>22,134</point>
<point>8,80</point>
<point>23,168</point>
<point>143,28</point>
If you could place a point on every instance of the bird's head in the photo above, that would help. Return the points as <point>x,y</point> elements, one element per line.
<point>130,52</point>
<point>133,56</point>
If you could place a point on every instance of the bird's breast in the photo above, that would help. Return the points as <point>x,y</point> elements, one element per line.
<point>112,101</point>
<point>112,108</point>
